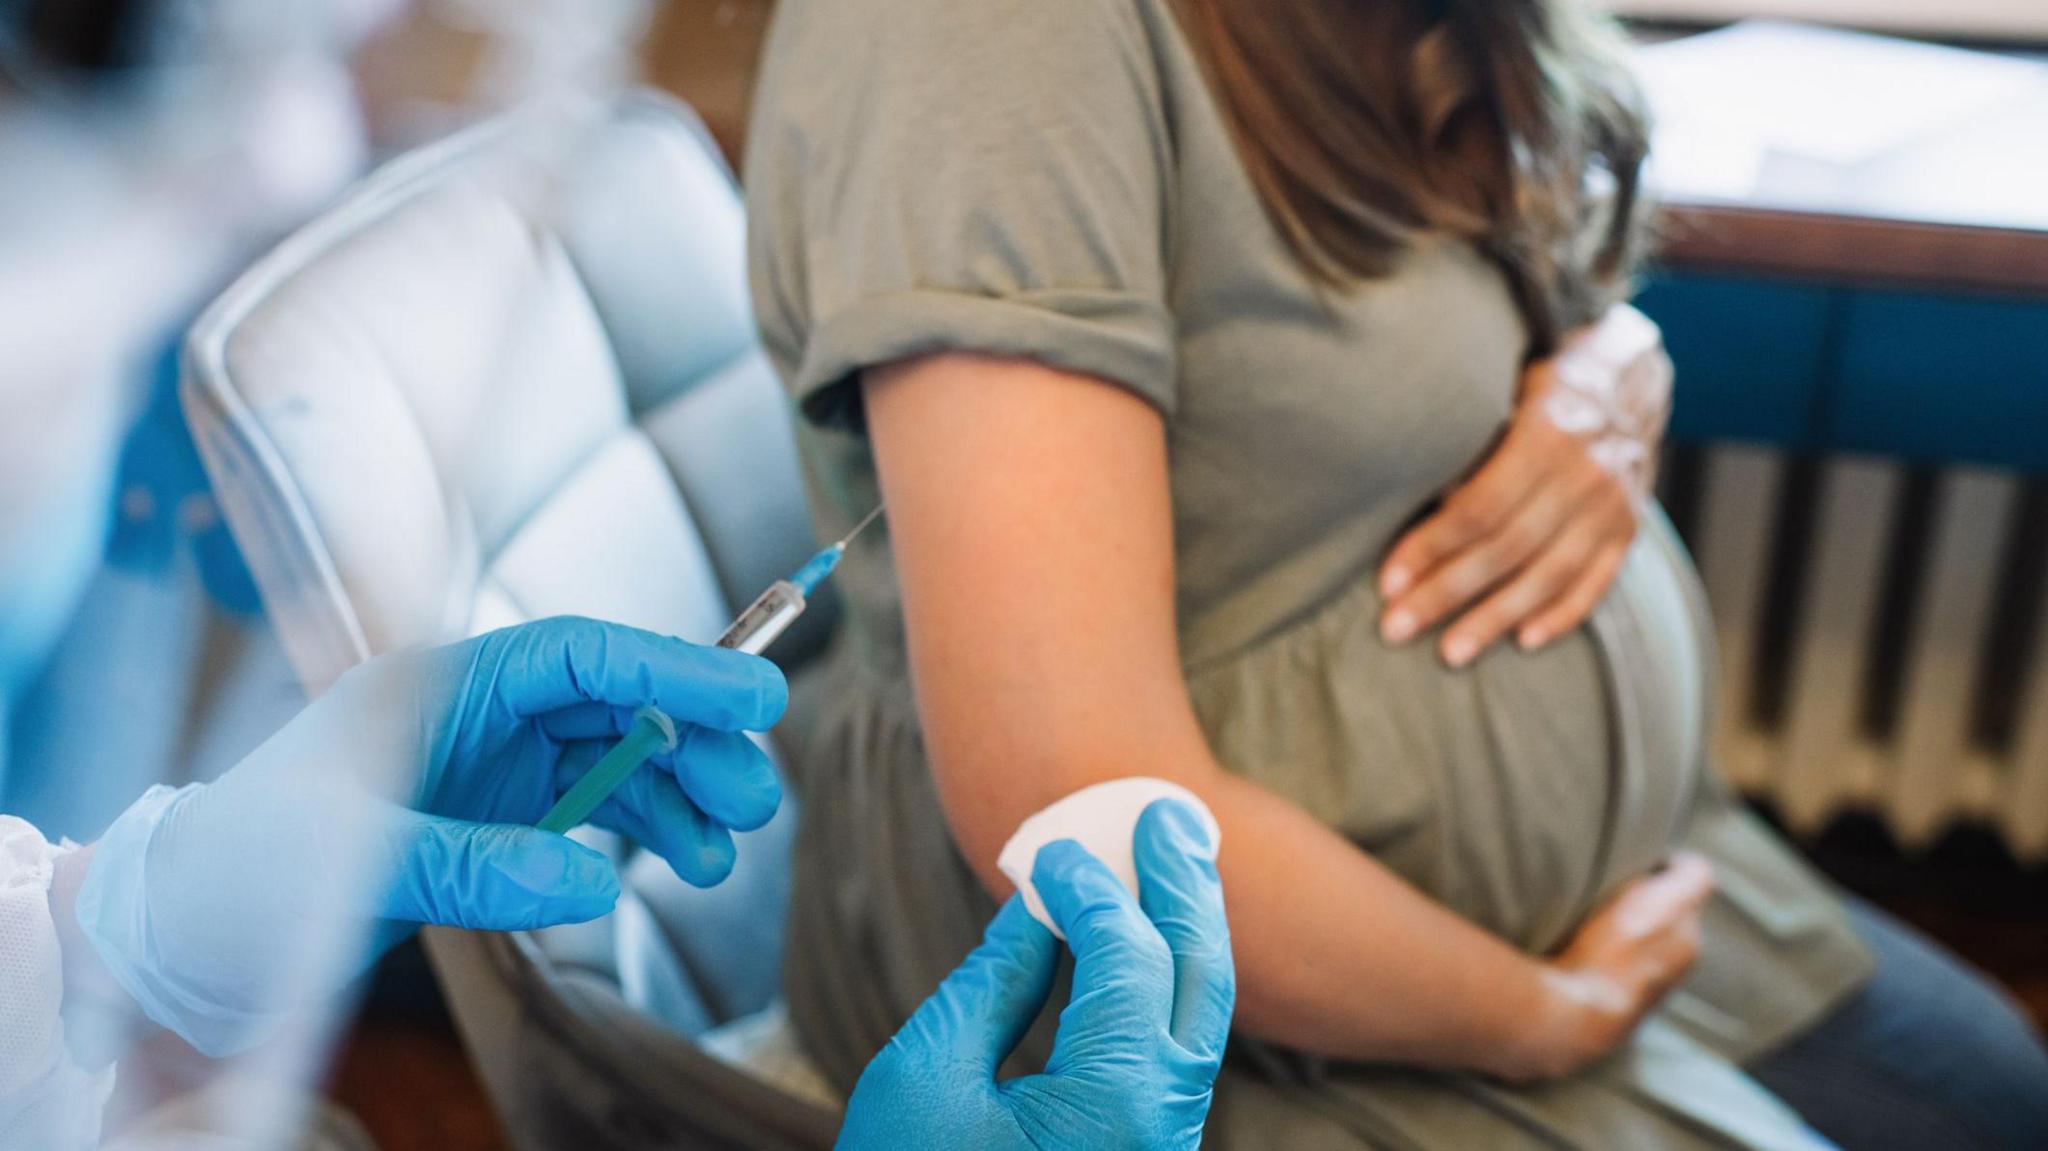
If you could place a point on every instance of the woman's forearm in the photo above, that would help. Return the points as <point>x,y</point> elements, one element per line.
<point>1339,956</point>
<point>1336,955</point>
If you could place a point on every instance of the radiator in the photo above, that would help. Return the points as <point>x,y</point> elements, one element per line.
<point>1881,637</point>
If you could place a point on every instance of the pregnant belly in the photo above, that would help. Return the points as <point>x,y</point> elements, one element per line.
<point>1517,792</point>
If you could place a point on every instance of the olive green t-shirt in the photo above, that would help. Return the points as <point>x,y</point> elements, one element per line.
<point>1051,179</point>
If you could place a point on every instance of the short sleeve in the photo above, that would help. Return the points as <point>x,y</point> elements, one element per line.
<point>960,175</point>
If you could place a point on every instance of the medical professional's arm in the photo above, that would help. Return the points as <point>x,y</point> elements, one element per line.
<point>83,971</point>
<point>1032,525</point>
<point>407,794</point>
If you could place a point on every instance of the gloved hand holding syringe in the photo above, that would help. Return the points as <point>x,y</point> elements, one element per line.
<point>652,732</point>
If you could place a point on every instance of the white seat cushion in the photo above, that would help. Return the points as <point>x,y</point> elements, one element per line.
<point>613,541</point>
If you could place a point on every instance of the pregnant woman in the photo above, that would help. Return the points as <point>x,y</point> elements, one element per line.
<point>1206,354</point>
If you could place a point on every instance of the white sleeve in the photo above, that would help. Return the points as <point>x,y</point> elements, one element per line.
<point>46,1098</point>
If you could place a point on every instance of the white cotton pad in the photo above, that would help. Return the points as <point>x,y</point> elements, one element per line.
<point>1103,819</point>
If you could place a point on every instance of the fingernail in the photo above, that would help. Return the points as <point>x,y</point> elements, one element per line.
<point>774,695</point>
<point>598,902</point>
<point>1054,860</point>
<point>542,861</point>
<point>709,864</point>
<point>1460,651</point>
<point>1398,626</point>
<point>590,884</point>
<point>1529,639</point>
<point>1394,581</point>
<point>1186,827</point>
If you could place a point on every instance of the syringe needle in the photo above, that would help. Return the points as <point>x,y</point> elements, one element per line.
<point>859,527</point>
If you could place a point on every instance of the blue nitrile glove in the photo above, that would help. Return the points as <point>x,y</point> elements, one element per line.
<point>1138,1045</point>
<point>406,795</point>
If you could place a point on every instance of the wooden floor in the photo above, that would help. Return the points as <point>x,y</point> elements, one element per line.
<point>409,1082</point>
<point>404,1074</point>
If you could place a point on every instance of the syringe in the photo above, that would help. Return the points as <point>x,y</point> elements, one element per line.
<point>769,616</point>
<point>653,732</point>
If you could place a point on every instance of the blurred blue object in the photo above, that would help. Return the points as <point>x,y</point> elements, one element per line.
<point>46,561</point>
<point>195,689</point>
<point>141,607</point>
<point>1751,356</point>
<point>163,499</point>
<point>1941,379</point>
<point>1924,376</point>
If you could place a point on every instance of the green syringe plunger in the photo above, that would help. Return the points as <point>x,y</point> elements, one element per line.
<point>651,734</point>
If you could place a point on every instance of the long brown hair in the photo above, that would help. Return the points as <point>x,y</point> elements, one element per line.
<point>1510,123</point>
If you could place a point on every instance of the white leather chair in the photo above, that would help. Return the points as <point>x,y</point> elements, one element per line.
<point>509,376</point>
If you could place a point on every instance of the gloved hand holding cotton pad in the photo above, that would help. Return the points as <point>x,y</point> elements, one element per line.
<point>1102,818</point>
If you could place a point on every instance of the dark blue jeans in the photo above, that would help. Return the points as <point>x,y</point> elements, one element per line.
<point>1929,1056</point>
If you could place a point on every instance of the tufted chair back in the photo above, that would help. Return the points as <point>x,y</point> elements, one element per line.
<point>515,375</point>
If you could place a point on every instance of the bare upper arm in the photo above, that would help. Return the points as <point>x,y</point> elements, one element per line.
<point>1031,518</point>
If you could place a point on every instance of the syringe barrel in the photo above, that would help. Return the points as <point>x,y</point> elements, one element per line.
<point>765,621</point>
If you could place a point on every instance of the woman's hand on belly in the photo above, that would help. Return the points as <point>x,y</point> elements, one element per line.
<point>1622,963</point>
<point>1534,538</point>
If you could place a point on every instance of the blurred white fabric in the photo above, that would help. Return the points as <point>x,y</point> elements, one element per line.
<point>1990,19</point>
<point>46,1099</point>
